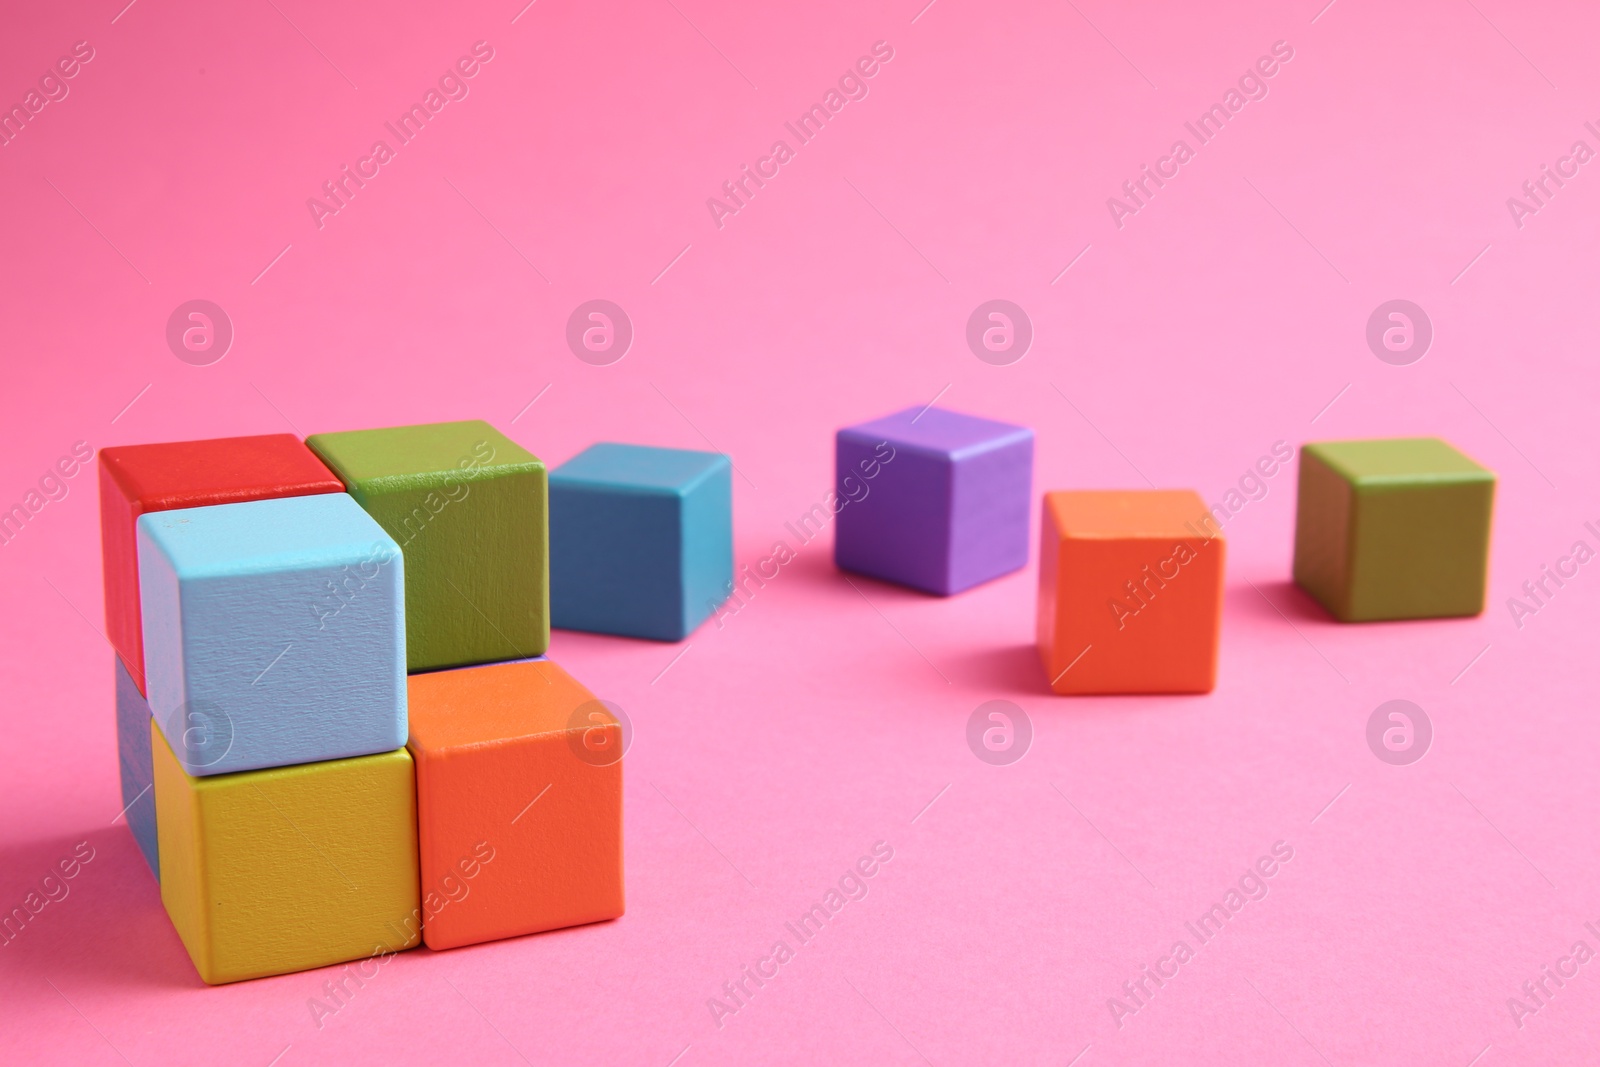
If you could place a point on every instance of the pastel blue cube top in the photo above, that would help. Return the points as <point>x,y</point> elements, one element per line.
<point>641,540</point>
<point>274,632</point>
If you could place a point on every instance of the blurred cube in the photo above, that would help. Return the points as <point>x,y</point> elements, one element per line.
<point>1130,592</point>
<point>1393,529</point>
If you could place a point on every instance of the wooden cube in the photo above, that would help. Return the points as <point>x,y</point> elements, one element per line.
<point>468,506</point>
<point>280,870</point>
<point>136,479</point>
<point>274,632</point>
<point>1130,592</point>
<point>641,540</point>
<point>134,762</point>
<point>932,499</point>
<point>519,802</point>
<point>1393,529</point>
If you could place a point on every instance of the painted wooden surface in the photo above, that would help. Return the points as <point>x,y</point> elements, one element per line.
<point>1130,592</point>
<point>641,540</point>
<point>272,871</point>
<point>135,479</point>
<point>1393,529</point>
<point>468,506</point>
<point>134,764</point>
<point>931,499</point>
<point>519,802</point>
<point>274,632</point>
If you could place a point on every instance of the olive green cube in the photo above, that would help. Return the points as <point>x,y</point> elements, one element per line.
<point>469,508</point>
<point>1393,529</point>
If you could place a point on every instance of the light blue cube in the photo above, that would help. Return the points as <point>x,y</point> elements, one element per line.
<point>137,767</point>
<point>641,540</point>
<point>274,632</point>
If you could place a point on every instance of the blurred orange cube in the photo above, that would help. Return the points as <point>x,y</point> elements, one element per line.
<point>1130,592</point>
<point>519,802</point>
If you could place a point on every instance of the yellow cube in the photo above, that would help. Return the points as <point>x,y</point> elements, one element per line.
<point>288,868</point>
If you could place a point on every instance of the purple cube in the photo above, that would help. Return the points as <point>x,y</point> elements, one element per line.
<point>933,499</point>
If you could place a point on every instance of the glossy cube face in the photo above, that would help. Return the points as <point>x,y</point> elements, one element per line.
<point>519,792</point>
<point>641,540</point>
<point>272,871</point>
<point>136,479</point>
<point>1393,529</point>
<point>467,505</point>
<point>931,499</point>
<point>134,763</point>
<point>274,632</point>
<point>1130,592</point>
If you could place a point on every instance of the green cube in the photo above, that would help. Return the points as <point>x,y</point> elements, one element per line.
<point>1393,529</point>
<point>468,507</point>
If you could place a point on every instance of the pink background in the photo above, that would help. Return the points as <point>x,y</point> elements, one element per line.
<point>1223,317</point>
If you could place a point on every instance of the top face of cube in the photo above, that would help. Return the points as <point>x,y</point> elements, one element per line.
<point>222,471</point>
<point>274,632</point>
<point>469,507</point>
<point>137,479</point>
<point>639,468</point>
<point>949,434</point>
<point>1398,461</point>
<point>496,703</point>
<point>376,460</point>
<point>1118,514</point>
<point>262,537</point>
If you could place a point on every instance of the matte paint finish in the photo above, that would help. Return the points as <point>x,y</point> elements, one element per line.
<point>468,505</point>
<point>1393,529</point>
<point>641,540</point>
<point>134,763</point>
<point>280,870</point>
<point>499,773</point>
<point>1148,551</point>
<point>274,632</point>
<point>136,479</point>
<point>947,512</point>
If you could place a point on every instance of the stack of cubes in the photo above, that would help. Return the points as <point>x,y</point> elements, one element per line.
<point>339,734</point>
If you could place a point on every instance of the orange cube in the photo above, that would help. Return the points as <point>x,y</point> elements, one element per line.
<point>1130,592</point>
<point>519,802</point>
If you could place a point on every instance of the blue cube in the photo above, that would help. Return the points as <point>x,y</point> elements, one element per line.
<point>274,632</point>
<point>138,771</point>
<point>641,540</point>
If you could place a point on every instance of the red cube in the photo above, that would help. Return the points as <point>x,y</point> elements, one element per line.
<point>135,479</point>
